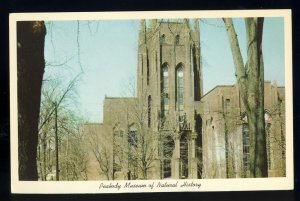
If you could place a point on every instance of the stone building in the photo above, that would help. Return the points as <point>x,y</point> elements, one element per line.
<point>169,78</point>
<point>170,130</point>
<point>225,137</point>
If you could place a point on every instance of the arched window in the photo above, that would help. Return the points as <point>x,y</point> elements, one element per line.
<point>177,40</point>
<point>179,90</point>
<point>165,89</point>
<point>227,106</point>
<point>162,39</point>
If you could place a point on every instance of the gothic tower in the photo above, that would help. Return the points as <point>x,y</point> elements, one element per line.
<point>170,83</point>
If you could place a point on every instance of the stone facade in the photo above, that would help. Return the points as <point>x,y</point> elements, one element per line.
<point>224,135</point>
<point>169,78</point>
<point>170,130</point>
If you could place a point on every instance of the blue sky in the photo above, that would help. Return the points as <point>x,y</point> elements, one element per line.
<point>217,58</point>
<point>108,56</point>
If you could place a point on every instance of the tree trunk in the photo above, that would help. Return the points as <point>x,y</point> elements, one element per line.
<point>250,80</point>
<point>30,69</point>
<point>44,142</point>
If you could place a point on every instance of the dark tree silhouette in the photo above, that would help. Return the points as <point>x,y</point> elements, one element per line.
<point>30,69</point>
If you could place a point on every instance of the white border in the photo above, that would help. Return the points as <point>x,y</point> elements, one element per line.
<point>286,183</point>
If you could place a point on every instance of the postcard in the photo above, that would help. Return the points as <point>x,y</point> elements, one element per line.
<point>161,101</point>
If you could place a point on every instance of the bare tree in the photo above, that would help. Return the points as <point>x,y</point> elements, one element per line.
<point>73,153</point>
<point>140,147</point>
<point>250,79</point>
<point>141,144</point>
<point>101,148</point>
<point>56,121</point>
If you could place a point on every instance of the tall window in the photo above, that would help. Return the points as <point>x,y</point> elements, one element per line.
<point>149,111</point>
<point>227,106</point>
<point>246,149</point>
<point>177,40</point>
<point>179,90</point>
<point>196,68</point>
<point>162,39</point>
<point>168,147</point>
<point>269,154</point>
<point>132,138</point>
<point>164,89</point>
<point>148,69</point>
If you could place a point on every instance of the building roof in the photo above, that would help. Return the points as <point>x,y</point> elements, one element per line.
<point>110,97</point>
<point>92,123</point>
<point>218,86</point>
